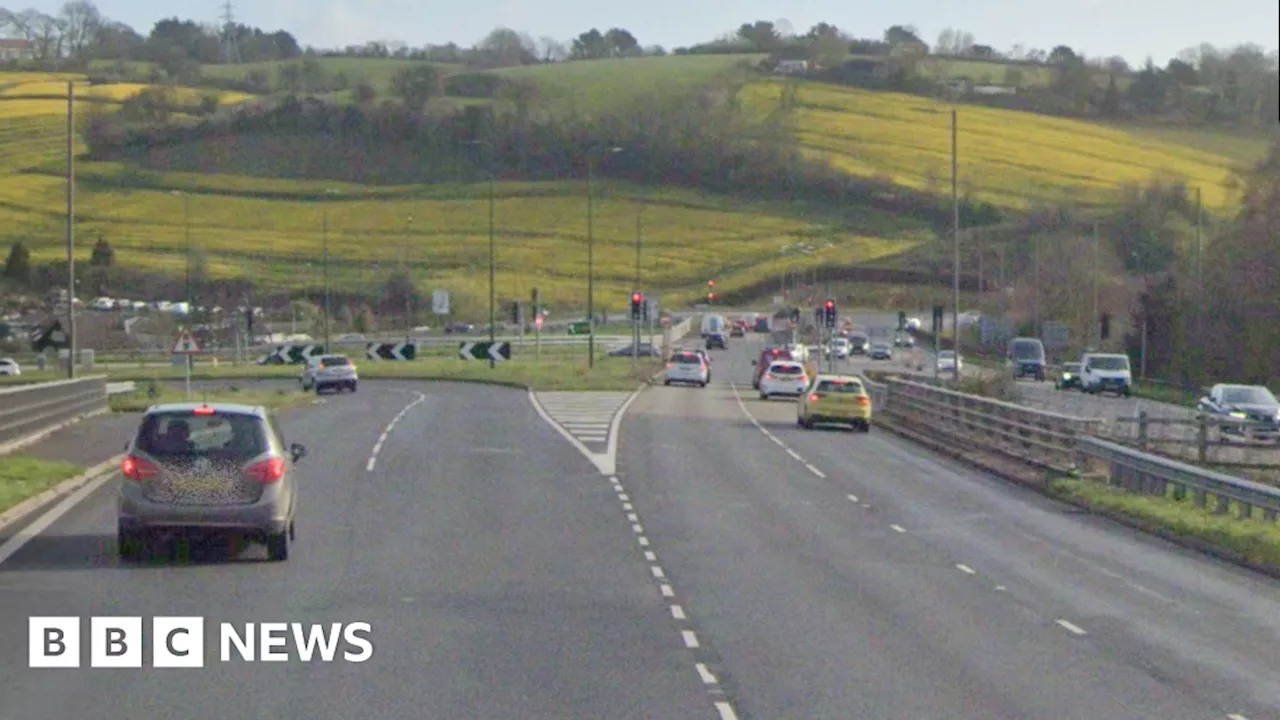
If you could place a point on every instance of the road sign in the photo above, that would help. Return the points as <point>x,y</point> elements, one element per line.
<point>582,327</point>
<point>537,321</point>
<point>391,351</point>
<point>994,330</point>
<point>1054,335</point>
<point>778,299</point>
<point>485,350</point>
<point>440,302</point>
<point>294,354</point>
<point>52,336</point>
<point>185,344</point>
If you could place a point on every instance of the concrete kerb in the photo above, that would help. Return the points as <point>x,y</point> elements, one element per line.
<point>1045,488</point>
<point>23,510</point>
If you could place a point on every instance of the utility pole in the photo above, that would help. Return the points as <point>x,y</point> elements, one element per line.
<point>955,236</point>
<point>71,230</point>
<point>591,269</point>
<point>1199,290</point>
<point>493,297</point>
<point>408,296</point>
<point>635,321</point>
<point>1094,340</point>
<point>1035,252</point>
<point>324,228</point>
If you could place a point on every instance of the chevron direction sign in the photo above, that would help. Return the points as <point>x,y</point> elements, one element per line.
<point>485,350</point>
<point>294,354</point>
<point>392,351</point>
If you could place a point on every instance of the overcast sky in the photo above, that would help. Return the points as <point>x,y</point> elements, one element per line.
<point>1132,29</point>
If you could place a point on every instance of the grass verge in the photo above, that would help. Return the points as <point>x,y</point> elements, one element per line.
<point>1256,541</point>
<point>139,401</point>
<point>549,374</point>
<point>24,477</point>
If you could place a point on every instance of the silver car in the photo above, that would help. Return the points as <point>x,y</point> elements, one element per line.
<point>219,467</point>
<point>329,371</point>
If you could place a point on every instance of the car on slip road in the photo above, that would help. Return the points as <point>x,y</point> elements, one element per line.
<point>207,468</point>
<point>835,400</point>
<point>335,372</point>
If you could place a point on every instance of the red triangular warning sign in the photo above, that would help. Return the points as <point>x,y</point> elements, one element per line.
<point>185,344</point>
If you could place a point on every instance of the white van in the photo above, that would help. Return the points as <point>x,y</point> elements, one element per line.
<point>713,325</point>
<point>1106,372</point>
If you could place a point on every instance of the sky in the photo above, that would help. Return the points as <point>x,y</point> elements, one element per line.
<point>1133,29</point>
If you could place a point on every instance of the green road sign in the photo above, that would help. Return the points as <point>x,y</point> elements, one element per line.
<point>582,327</point>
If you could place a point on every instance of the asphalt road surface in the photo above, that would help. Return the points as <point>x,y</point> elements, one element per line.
<point>490,558</point>
<point>829,574</point>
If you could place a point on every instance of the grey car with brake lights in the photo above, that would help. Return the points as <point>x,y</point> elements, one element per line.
<point>208,468</point>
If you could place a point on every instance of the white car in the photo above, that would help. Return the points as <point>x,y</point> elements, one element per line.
<point>1106,372</point>
<point>329,371</point>
<point>799,351</point>
<point>10,367</point>
<point>839,347</point>
<point>784,377</point>
<point>948,362</point>
<point>687,367</point>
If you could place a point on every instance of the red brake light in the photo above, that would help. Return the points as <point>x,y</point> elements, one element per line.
<point>813,397</point>
<point>864,400</point>
<point>670,365</point>
<point>204,410</point>
<point>136,468</point>
<point>267,471</point>
<point>768,376</point>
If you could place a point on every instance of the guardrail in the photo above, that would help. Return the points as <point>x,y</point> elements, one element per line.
<point>30,409</point>
<point>1206,439</point>
<point>1146,474</point>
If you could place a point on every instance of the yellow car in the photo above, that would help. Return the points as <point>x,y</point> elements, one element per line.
<point>835,399</point>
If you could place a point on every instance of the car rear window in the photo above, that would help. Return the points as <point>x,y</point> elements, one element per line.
<point>687,359</point>
<point>178,435</point>
<point>840,386</point>
<point>787,369</point>
<point>334,361</point>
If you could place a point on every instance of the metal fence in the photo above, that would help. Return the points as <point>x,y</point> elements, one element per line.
<point>29,409</point>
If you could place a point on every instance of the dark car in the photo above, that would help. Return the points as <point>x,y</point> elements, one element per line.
<point>881,351</point>
<point>646,350</point>
<point>739,329</point>
<point>858,343</point>
<point>1026,358</point>
<point>717,340</point>
<point>762,325</point>
<point>1254,407</point>
<point>1069,377</point>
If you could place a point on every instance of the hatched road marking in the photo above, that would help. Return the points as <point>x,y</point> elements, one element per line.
<point>589,420</point>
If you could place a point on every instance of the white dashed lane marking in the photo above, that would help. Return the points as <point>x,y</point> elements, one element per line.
<point>677,612</point>
<point>666,590</point>
<point>1071,627</point>
<point>705,674</point>
<point>898,528</point>
<point>386,432</point>
<point>726,711</point>
<point>852,498</point>
<point>816,471</point>
<point>966,569</point>
<point>690,639</point>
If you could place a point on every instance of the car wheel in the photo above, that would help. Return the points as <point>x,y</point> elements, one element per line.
<point>763,396</point>
<point>702,384</point>
<point>278,547</point>
<point>666,382</point>
<point>131,544</point>
<point>800,421</point>
<point>293,531</point>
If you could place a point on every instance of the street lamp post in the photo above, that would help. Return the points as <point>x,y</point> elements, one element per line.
<point>493,298</point>
<point>591,260</point>
<point>955,239</point>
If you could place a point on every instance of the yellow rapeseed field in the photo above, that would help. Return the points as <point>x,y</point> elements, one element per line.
<point>17,78</point>
<point>541,230</point>
<point>118,92</point>
<point>1009,158</point>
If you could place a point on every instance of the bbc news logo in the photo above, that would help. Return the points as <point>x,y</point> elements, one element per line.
<point>179,642</point>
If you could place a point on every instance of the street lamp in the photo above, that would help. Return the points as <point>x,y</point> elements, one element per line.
<point>325,262</point>
<point>493,301</point>
<point>591,260</point>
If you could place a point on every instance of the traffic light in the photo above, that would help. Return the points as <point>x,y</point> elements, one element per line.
<point>902,320</point>
<point>636,299</point>
<point>515,313</point>
<point>937,319</point>
<point>830,311</point>
<point>711,297</point>
<point>1105,329</point>
<point>644,311</point>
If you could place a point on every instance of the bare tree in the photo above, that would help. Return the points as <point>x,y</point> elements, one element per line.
<point>552,50</point>
<point>82,24</point>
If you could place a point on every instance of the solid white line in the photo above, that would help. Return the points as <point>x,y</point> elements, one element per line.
<point>1069,627</point>
<point>657,571</point>
<point>42,523</point>
<point>898,528</point>
<point>1001,588</point>
<point>377,448</point>
<point>705,674</point>
<point>612,452</point>
<point>650,556</point>
<point>690,638</point>
<point>816,471</point>
<point>667,591</point>
<point>966,569</point>
<point>677,612</point>
<point>644,541</point>
<point>726,711</point>
<point>775,440</point>
<point>852,498</point>
<point>794,454</point>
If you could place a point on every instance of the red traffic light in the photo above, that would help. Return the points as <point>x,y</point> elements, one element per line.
<point>830,304</point>
<point>636,298</point>
<point>711,296</point>
<point>711,283</point>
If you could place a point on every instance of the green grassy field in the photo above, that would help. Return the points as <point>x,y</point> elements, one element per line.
<point>24,477</point>
<point>271,229</point>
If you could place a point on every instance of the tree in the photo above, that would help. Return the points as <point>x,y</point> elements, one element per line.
<point>902,36</point>
<point>416,84</point>
<point>1062,55</point>
<point>43,32</point>
<point>81,24</point>
<point>103,256</point>
<point>17,267</point>
<point>828,51</point>
<point>364,93</point>
<point>621,43</point>
<point>505,47</point>
<point>590,45</point>
<point>762,34</point>
<point>822,30</point>
<point>1111,99</point>
<point>552,50</point>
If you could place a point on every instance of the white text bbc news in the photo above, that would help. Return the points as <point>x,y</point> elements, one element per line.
<point>179,642</point>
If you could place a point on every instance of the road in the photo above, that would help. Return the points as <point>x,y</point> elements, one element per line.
<point>937,593</point>
<point>738,560</point>
<point>492,564</point>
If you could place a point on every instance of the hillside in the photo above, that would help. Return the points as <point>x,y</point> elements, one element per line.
<point>270,229</point>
